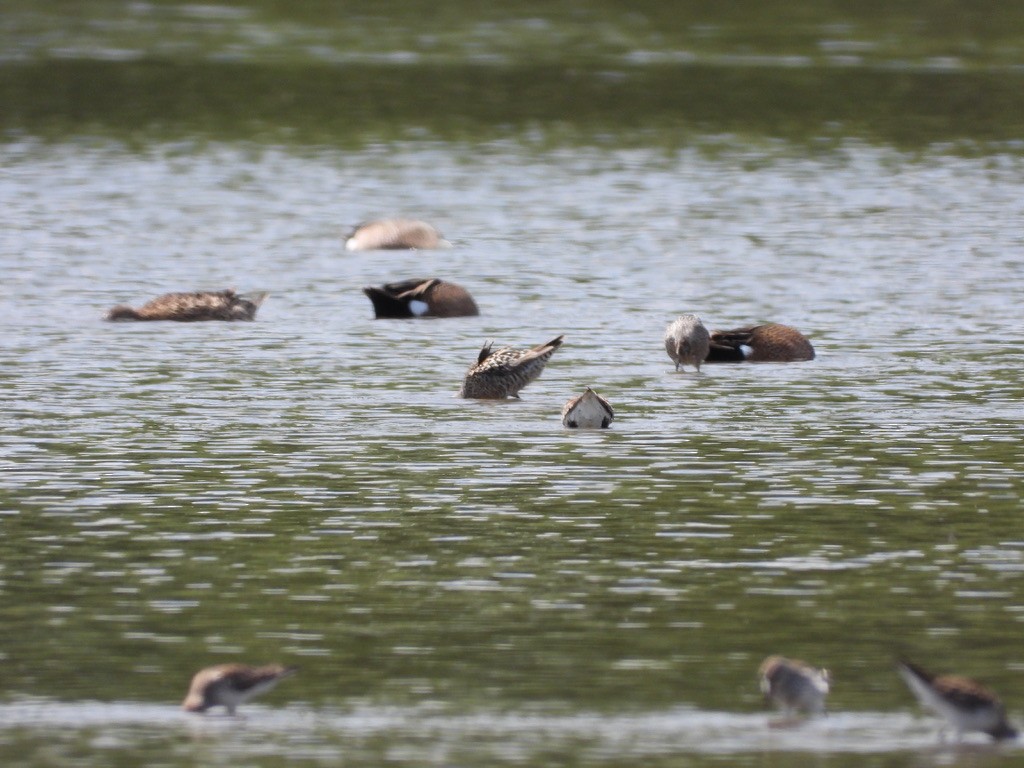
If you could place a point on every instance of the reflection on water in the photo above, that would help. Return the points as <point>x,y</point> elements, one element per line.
<point>410,32</point>
<point>659,104</point>
<point>560,73</point>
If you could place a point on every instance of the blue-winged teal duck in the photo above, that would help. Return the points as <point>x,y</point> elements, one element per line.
<point>768,343</point>
<point>793,685</point>
<point>193,307</point>
<point>965,704</point>
<point>421,298</point>
<point>686,341</point>
<point>587,411</point>
<point>228,685</point>
<point>503,372</point>
<point>394,235</point>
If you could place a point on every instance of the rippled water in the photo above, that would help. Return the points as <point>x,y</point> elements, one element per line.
<point>431,736</point>
<point>468,580</point>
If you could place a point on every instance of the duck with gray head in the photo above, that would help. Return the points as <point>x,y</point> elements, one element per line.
<point>194,307</point>
<point>686,341</point>
<point>394,235</point>
<point>420,297</point>
<point>767,343</point>
<point>503,372</point>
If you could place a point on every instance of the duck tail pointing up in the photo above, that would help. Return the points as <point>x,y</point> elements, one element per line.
<point>903,661</point>
<point>554,344</point>
<point>485,351</point>
<point>385,305</point>
<point>257,297</point>
<point>909,669</point>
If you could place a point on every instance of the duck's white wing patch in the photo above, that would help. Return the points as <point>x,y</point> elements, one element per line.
<point>418,308</point>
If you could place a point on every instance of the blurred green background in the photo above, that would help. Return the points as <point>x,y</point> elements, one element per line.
<point>908,73</point>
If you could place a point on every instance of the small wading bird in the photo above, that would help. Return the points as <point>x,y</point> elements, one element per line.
<point>228,685</point>
<point>193,307</point>
<point>587,411</point>
<point>768,343</point>
<point>421,298</point>
<point>503,372</point>
<point>394,235</point>
<point>686,341</point>
<point>965,704</point>
<point>793,685</point>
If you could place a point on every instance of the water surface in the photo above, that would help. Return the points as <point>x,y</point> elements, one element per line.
<point>468,582</point>
<point>306,487</point>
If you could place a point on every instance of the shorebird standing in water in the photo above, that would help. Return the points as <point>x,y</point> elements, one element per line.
<point>228,685</point>
<point>394,235</point>
<point>194,307</point>
<point>966,704</point>
<point>421,298</point>
<point>587,411</point>
<point>793,685</point>
<point>768,343</point>
<point>686,341</point>
<point>503,372</point>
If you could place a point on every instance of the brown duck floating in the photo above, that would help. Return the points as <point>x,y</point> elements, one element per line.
<point>193,307</point>
<point>587,411</point>
<point>686,341</point>
<point>394,235</point>
<point>503,372</point>
<point>421,297</point>
<point>228,685</point>
<point>768,343</point>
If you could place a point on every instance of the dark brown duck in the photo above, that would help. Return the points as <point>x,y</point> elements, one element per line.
<point>768,343</point>
<point>421,297</point>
